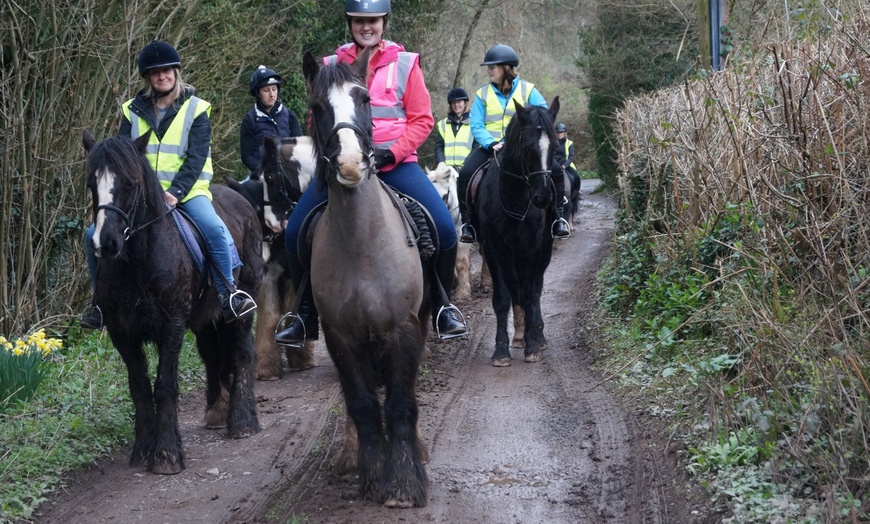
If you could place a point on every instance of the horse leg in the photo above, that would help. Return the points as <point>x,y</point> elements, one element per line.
<point>531,302</point>
<point>363,407</point>
<point>501,303</point>
<point>142,397</point>
<point>269,365</point>
<point>346,462</point>
<point>462,285</point>
<point>168,455</point>
<point>217,394</point>
<point>235,345</point>
<point>519,339</point>
<point>404,481</point>
<point>485,276</point>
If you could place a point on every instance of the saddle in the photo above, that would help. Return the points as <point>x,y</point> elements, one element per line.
<point>195,243</point>
<point>474,183</point>
<point>419,227</point>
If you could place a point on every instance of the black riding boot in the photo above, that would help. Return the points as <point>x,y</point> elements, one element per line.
<point>236,304</point>
<point>466,232</point>
<point>304,325</point>
<point>447,319</point>
<point>560,225</point>
<point>92,318</point>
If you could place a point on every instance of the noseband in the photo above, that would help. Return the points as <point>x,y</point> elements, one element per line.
<point>130,216</point>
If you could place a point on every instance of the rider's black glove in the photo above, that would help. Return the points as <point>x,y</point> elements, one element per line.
<point>384,158</point>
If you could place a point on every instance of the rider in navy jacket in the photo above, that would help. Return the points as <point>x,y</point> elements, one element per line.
<point>269,117</point>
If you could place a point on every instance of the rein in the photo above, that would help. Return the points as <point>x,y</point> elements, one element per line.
<point>526,176</point>
<point>130,216</point>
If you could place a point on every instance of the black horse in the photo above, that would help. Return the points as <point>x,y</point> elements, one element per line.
<point>150,289</point>
<point>287,167</point>
<point>512,212</point>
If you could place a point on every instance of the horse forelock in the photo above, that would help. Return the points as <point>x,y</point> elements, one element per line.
<point>533,117</point>
<point>115,164</point>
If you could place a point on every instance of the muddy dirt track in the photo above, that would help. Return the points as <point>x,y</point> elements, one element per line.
<point>530,443</point>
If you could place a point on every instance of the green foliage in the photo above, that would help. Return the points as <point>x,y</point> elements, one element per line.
<point>83,411</point>
<point>628,268</point>
<point>741,448</point>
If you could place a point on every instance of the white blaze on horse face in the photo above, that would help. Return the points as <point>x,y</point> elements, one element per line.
<point>105,184</point>
<point>304,153</point>
<point>350,156</point>
<point>544,145</point>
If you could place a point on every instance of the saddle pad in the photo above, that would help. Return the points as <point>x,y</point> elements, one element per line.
<point>474,183</point>
<point>195,244</point>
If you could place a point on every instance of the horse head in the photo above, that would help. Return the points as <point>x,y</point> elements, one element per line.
<point>125,193</point>
<point>288,166</point>
<point>531,139</point>
<point>341,119</point>
<point>445,178</point>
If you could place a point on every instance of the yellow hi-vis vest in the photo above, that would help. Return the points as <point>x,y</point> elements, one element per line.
<point>568,144</point>
<point>166,156</point>
<point>456,146</point>
<point>496,120</point>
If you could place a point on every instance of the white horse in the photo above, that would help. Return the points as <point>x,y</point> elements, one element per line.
<point>444,179</point>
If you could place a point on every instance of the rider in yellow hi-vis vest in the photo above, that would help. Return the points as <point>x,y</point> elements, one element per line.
<point>179,151</point>
<point>454,141</point>
<point>563,162</point>
<point>493,108</point>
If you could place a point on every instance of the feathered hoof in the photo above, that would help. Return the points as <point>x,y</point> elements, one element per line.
<point>501,362</point>
<point>534,357</point>
<point>393,502</point>
<point>167,464</point>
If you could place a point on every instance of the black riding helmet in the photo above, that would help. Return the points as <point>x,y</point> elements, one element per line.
<point>367,8</point>
<point>560,128</point>
<point>262,77</point>
<point>157,54</point>
<point>457,93</point>
<point>501,54</point>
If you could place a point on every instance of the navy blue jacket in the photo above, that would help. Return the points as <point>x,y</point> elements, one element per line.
<point>257,126</point>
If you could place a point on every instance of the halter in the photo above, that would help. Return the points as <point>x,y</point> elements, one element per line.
<point>526,176</point>
<point>130,216</point>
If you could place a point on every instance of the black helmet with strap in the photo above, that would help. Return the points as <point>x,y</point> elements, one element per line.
<point>457,93</point>
<point>157,54</point>
<point>501,54</point>
<point>367,7</point>
<point>560,128</point>
<point>262,77</point>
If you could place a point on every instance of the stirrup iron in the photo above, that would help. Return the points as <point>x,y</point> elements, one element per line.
<point>284,324</point>
<point>553,229</point>
<point>450,307</point>
<point>244,294</point>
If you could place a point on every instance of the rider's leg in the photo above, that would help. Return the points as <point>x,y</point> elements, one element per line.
<point>92,318</point>
<point>304,325</point>
<point>559,228</point>
<point>234,303</point>
<point>410,179</point>
<point>472,163</point>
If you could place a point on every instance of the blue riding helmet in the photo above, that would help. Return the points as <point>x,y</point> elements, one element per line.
<point>262,77</point>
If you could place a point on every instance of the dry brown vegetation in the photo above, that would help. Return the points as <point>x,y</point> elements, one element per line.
<point>757,178</point>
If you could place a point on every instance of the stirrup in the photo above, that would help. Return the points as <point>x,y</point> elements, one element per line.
<point>282,325</point>
<point>450,307</point>
<point>473,233</point>
<point>244,295</point>
<point>553,229</point>
<point>90,325</point>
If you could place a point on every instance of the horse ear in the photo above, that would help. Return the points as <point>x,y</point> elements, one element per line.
<point>361,63</point>
<point>142,142</point>
<point>270,152</point>
<point>310,67</point>
<point>88,140</point>
<point>554,108</point>
<point>521,111</point>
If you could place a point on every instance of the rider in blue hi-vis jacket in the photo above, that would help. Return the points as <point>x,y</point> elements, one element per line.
<point>492,110</point>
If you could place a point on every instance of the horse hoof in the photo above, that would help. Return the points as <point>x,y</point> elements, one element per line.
<point>534,357</point>
<point>501,362</point>
<point>393,502</point>
<point>221,425</point>
<point>166,466</point>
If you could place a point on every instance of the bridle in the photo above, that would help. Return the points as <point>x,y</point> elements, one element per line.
<point>368,145</point>
<point>526,176</point>
<point>129,217</point>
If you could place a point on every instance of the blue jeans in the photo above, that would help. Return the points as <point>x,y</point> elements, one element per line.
<point>407,178</point>
<point>216,235</point>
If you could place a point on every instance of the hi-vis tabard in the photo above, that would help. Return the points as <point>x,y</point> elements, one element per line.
<point>568,144</point>
<point>456,146</point>
<point>496,120</point>
<point>386,90</point>
<point>167,155</point>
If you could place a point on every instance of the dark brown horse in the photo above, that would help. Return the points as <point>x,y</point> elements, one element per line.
<point>287,168</point>
<point>512,213</point>
<point>368,285</point>
<point>150,290</point>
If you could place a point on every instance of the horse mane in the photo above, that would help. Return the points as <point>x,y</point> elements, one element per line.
<point>533,116</point>
<point>120,156</point>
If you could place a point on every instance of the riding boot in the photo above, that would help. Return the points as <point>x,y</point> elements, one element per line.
<point>560,225</point>
<point>446,318</point>
<point>466,232</point>
<point>235,304</point>
<point>92,318</point>
<point>304,325</point>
